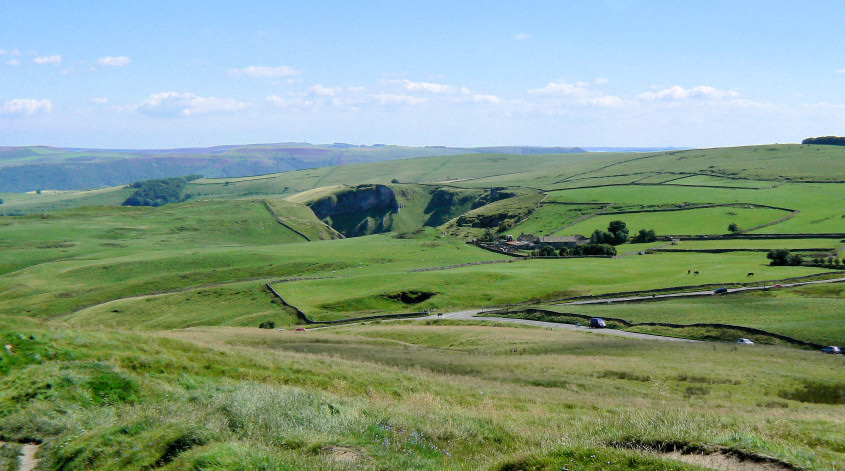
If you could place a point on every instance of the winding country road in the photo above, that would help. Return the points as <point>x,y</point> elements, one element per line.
<point>472,315</point>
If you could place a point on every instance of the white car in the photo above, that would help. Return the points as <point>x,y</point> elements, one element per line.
<point>832,349</point>
<point>745,341</point>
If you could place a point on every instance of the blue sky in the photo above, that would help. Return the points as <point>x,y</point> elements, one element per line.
<point>152,74</point>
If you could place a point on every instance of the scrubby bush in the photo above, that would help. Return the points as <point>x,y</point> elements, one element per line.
<point>267,325</point>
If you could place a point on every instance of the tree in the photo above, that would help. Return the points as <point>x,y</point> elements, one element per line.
<point>267,325</point>
<point>619,231</point>
<point>645,236</point>
<point>600,237</point>
<point>778,256</point>
<point>734,228</point>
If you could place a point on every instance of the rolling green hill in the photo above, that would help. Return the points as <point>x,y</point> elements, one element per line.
<point>134,342</point>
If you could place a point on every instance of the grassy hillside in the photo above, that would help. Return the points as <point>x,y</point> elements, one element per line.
<point>134,339</point>
<point>406,396</point>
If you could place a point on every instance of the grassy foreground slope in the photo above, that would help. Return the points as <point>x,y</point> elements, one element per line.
<point>406,396</point>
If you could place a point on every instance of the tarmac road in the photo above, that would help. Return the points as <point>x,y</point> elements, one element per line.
<point>473,316</point>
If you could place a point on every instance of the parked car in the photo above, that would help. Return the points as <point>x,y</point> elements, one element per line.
<point>597,323</point>
<point>832,349</point>
<point>745,341</point>
<point>301,329</point>
<point>720,290</point>
<point>778,286</point>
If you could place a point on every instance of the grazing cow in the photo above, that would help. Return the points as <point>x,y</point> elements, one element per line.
<point>688,272</point>
<point>695,273</point>
<point>749,274</point>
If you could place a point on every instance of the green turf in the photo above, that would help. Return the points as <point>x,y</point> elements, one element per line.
<point>810,313</point>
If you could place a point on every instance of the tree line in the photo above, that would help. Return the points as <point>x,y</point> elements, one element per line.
<point>826,140</point>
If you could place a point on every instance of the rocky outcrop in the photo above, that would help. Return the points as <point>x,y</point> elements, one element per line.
<point>363,198</point>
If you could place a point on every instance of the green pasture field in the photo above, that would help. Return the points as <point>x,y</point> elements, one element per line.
<point>758,244</point>
<point>707,180</point>
<point>764,162</point>
<point>62,286</point>
<point>820,205</point>
<point>412,395</point>
<point>812,313</point>
<point>230,304</point>
<point>48,201</point>
<point>690,221</point>
<point>524,281</point>
<point>100,233</point>
<point>550,217</point>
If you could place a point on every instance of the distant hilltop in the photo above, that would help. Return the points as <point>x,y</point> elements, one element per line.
<point>50,168</point>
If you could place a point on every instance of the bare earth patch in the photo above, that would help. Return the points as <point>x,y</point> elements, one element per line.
<point>343,453</point>
<point>726,462</point>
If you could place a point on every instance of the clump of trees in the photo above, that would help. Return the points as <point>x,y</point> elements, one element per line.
<point>734,228</point>
<point>588,249</point>
<point>644,235</point>
<point>267,325</point>
<point>544,251</point>
<point>617,233</point>
<point>784,257</point>
<point>159,191</point>
<point>828,140</point>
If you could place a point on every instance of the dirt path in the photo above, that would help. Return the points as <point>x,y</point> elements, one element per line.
<point>28,459</point>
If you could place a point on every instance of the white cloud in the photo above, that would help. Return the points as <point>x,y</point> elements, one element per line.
<point>55,59</point>
<point>118,61</point>
<point>25,107</point>
<point>320,90</point>
<point>579,93</point>
<point>14,62</point>
<point>256,71</point>
<point>562,88</point>
<point>171,104</point>
<point>7,52</point>
<point>436,88</point>
<point>521,36</point>
<point>100,100</point>
<point>486,99</point>
<point>601,81</point>
<point>677,93</point>
<point>398,99</point>
<point>840,71</point>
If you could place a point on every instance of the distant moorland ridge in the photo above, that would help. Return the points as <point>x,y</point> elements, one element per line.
<point>49,168</point>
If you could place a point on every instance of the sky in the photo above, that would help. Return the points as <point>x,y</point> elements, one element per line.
<point>163,74</point>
